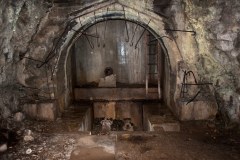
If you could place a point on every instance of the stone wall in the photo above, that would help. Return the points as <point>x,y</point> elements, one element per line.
<point>217,24</point>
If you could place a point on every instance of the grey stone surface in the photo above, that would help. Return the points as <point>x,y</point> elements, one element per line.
<point>225,45</point>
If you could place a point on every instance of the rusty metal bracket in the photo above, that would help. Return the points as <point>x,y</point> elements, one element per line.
<point>142,34</point>
<point>179,30</point>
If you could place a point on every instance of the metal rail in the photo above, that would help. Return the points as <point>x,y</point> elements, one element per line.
<point>179,30</point>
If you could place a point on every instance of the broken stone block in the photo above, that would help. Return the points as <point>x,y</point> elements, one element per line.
<point>41,111</point>
<point>108,81</point>
<point>18,117</point>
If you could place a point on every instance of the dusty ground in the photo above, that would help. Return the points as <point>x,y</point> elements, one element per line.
<point>61,140</point>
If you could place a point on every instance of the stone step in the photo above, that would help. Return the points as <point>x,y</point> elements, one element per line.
<point>158,117</point>
<point>163,123</point>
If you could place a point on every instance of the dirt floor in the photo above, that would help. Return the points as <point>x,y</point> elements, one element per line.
<point>61,140</point>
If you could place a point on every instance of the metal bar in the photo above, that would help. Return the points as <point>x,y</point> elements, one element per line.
<point>155,39</point>
<point>192,99</point>
<point>179,30</point>
<point>131,44</point>
<point>183,85</point>
<point>142,34</point>
<point>31,59</point>
<point>191,72</point>
<point>127,39</point>
<point>105,28</point>
<point>90,35</point>
<point>91,45</point>
<point>96,28</point>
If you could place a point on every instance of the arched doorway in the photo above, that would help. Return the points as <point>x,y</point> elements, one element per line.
<point>151,25</point>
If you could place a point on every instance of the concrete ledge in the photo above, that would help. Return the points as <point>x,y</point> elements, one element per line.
<point>197,110</point>
<point>41,111</point>
<point>113,94</point>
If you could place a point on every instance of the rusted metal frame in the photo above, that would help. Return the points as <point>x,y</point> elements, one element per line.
<point>142,34</point>
<point>96,29</point>
<point>105,28</point>
<point>131,44</point>
<point>179,30</point>
<point>127,39</point>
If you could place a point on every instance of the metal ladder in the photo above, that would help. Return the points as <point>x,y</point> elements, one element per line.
<point>152,64</point>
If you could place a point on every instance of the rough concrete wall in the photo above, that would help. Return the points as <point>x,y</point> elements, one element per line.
<point>115,50</point>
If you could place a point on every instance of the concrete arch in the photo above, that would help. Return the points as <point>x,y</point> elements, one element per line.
<point>83,20</point>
